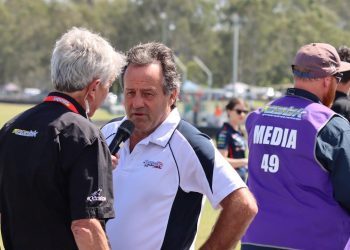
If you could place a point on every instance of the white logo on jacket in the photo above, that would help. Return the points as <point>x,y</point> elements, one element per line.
<point>96,196</point>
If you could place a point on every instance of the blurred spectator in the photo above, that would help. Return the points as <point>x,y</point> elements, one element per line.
<point>341,103</point>
<point>230,138</point>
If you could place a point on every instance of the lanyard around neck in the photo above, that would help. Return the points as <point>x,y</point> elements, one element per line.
<point>63,101</point>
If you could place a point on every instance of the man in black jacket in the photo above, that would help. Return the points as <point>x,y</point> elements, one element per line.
<point>55,167</point>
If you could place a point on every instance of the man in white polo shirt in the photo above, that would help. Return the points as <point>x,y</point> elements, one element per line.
<point>167,166</point>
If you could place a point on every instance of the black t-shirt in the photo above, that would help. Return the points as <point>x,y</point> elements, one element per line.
<point>55,168</point>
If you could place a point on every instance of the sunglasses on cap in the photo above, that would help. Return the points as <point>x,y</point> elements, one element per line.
<point>240,111</point>
<point>338,76</point>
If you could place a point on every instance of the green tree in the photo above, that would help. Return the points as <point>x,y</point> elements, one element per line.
<point>270,33</point>
<point>273,30</point>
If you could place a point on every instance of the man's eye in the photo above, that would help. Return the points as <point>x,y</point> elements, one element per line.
<point>148,94</point>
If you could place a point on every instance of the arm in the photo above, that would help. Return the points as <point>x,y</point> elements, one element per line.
<point>89,176</point>
<point>332,151</point>
<point>340,177</point>
<point>235,163</point>
<point>89,235</point>
<point>238,211</point>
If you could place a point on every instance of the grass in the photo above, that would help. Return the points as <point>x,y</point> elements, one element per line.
<point>9,110</point>
<point>207,220</point>
<point>209,215</point>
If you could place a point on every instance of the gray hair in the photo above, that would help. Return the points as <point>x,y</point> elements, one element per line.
<point>148,53</point>
<point>81,56</point>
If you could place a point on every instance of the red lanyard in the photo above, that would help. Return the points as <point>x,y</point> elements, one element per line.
<point>61,100</point>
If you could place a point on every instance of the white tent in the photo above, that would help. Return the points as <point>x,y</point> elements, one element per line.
<point>190,87</point>
<point>237,88</point>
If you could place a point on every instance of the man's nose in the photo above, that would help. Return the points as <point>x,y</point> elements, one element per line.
<point>137,101</point>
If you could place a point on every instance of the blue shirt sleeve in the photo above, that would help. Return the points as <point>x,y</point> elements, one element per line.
<point>333,152</point>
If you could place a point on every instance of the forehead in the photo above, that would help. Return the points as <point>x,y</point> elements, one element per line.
<point>239,105</point>
<point>150,74</point>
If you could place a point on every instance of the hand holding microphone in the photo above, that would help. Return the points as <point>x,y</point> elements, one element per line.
<point>123,133</point>
<point>115,160</point>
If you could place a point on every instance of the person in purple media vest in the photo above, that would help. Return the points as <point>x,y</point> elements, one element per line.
<point>299,160</point>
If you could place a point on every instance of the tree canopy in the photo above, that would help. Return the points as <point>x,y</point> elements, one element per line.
<point>270,33</point>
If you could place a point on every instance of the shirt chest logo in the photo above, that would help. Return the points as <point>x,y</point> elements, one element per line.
<point>153,164</point>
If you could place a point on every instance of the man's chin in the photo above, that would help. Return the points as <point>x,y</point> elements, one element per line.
<point>141,124</point>
<point>138,119</point>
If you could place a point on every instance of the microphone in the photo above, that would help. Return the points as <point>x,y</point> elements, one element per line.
<point>123,133</point>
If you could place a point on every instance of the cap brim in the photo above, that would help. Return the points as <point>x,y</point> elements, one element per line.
<point>344,66</point>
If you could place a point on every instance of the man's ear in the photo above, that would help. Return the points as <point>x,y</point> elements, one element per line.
<point>92,87</point>
<point>173,96</point>
<point>327,81</point>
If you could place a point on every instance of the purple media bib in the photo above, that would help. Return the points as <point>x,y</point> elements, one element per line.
<point>294,192</point>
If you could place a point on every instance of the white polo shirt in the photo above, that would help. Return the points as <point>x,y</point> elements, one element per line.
<point>159,186</point>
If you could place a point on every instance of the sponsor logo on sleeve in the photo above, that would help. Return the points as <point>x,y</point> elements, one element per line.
<point>96,196</point>
<point>25,133</point>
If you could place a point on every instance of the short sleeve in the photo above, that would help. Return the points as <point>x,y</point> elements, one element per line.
<point>90,181</point>
<point>225,181</point>
<point>204,170</point>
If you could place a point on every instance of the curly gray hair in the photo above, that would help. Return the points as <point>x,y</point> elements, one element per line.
<point>148,53</point>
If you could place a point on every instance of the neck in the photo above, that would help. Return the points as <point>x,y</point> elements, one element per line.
<point>314,86</point>
<point>78,96</point>
<point>134,139</point>
<point>234,125</point>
